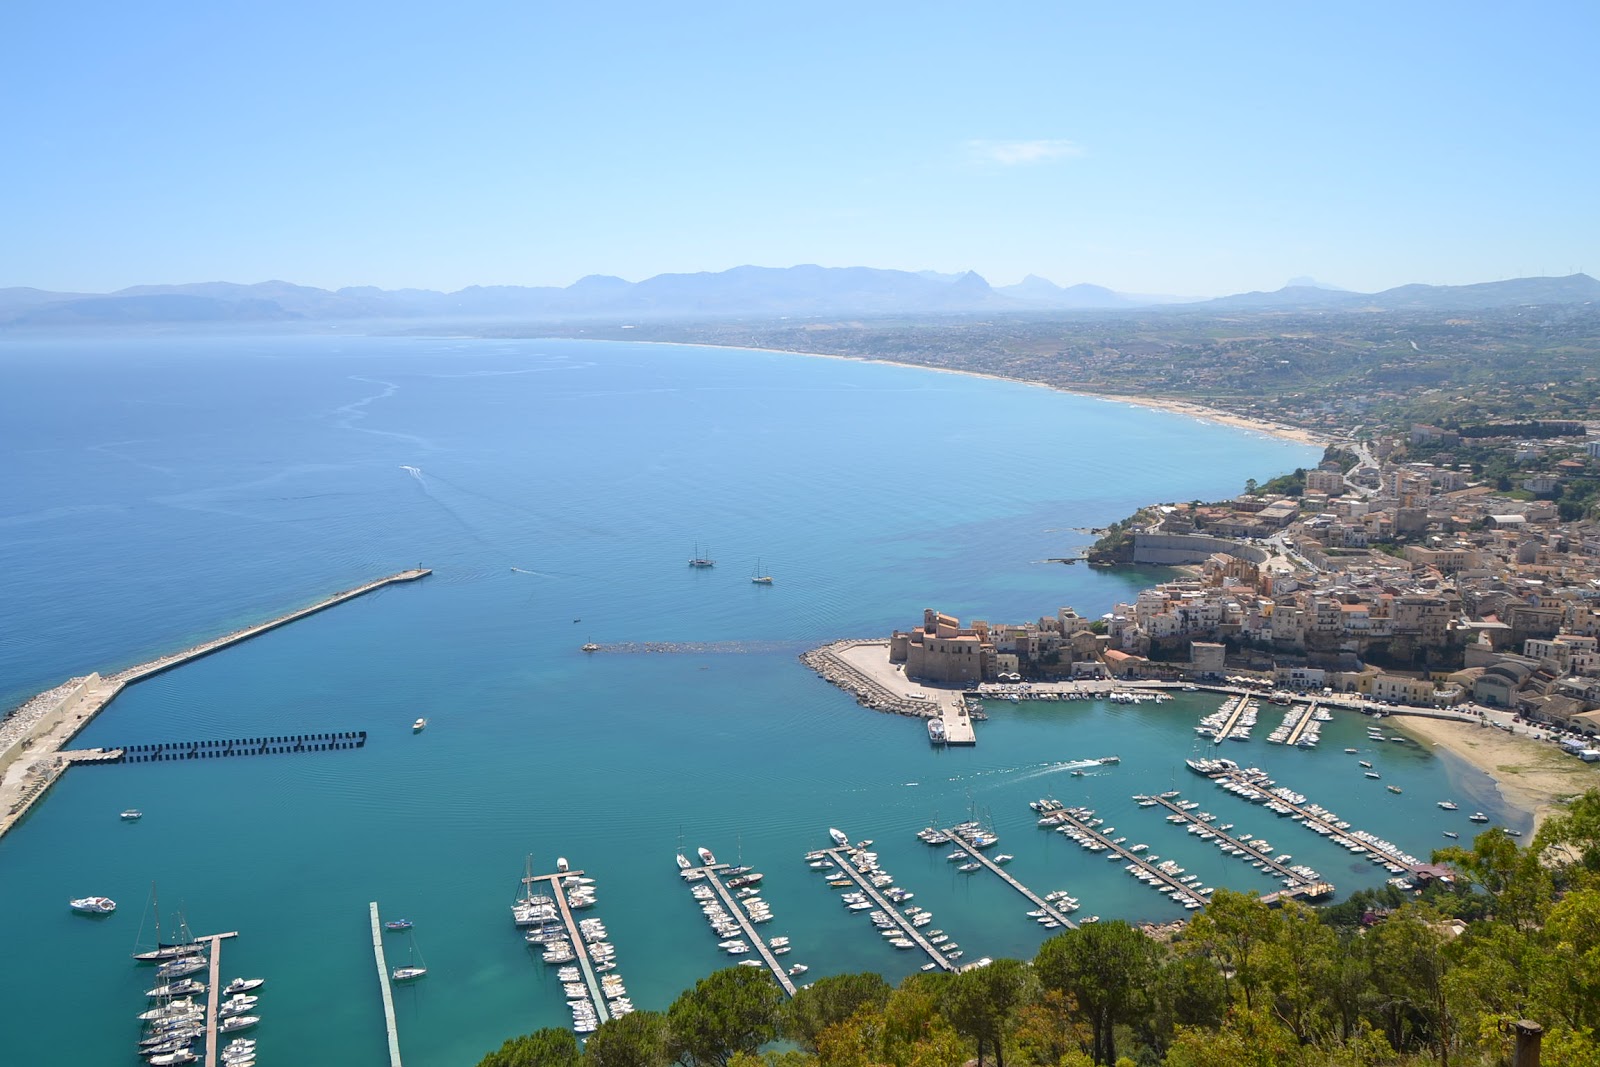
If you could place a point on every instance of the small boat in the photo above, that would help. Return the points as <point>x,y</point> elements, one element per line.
<point>1452,835</point>
<point>968,868</point>
<point>591,647</point>
<point>1003,859</point>
<point>683,862</point>
<point>706,857</point>
<point>798,968</point>
<point>1392,788</point>
<point>242,985</point>
<point>180,967</point>
<point>131,815</point>
<point>1449,805</point>
<point>561,865</point>
<point>1477,816</point>
<point>1372,774</point>
<point>406,974</point>
<point>182,987</point>
<point>1365,764</point>
<point>397,924</point>
<point>93,905</point>
<point>167,1059</point>
<point>417,726</point>
<point>840,838</point>
<point>758,578</point>
<point>235,1023</point>
<point>701,561</point>
<point>1350,751</point>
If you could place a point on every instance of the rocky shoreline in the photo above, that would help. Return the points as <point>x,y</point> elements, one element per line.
<point>869,693</point>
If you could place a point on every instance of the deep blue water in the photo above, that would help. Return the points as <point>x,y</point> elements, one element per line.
<point>161,490</point>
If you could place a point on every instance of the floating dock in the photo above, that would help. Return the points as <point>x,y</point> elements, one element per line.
<point>1033,898</point>
<point>1306,719</point>
<point>245,746</point>
<point>713,875</point>
<point>580,947</point>
<point>840,857</point>
<point>383,987</point>
<point>1319,820</point>
<point>1239,704</point>
<point>1249,854</point>
<point>1061,816</point>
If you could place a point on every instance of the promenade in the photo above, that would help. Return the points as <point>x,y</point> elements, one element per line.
<point>33,735</point>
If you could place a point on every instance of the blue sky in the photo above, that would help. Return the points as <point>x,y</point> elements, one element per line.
<point>1159,148</point>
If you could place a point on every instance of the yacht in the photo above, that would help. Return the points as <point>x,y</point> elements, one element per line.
<point>1477,816</point>
<point>1449,805</point>
<point>706,857</point>
<point>180,988</point>
<point>683,862</point>
<point>235,1023</point>
<point>131,815</point>
<point>839,837</point>
<point>93,905</point>
<point>242,985</point>
<point>417,726</point>
<point>406,974</point>
<point>562,867</point>
<point>936,731</point>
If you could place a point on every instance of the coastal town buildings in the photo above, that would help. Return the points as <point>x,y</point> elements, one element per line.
<point>1403,581</point>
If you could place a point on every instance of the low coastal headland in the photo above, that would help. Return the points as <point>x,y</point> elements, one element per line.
<point>34,735</point>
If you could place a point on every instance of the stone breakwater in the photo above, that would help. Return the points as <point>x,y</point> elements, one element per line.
<point>829,662</point>
<point>25,716</point>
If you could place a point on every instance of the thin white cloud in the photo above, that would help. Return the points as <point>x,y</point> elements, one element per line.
<point>1017,153</point>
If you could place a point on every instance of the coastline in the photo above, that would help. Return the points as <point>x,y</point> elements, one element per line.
<point>1172,405</point>
<point>1532,776</point>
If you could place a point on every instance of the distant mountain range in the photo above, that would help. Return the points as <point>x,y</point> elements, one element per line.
<point>750,292</point>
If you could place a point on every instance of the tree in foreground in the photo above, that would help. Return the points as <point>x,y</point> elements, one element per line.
<point>1105,969</point>
<point>729,1011</point>
<point>828,1002</point>
<point>638,1039</point>
<point>550,1047</point>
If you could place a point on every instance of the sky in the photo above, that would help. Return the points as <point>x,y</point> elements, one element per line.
<point>1170,148</point>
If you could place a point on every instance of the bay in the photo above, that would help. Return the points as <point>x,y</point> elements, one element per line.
<point>162,489</point>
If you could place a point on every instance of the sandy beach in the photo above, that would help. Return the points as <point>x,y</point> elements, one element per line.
<point>1187,408</point>
<point>1533,776</point>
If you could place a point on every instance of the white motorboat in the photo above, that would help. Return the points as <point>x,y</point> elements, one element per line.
<point>235,1023</point>
<point>683,862</point>
<point>417,727</point>
<point>131,815</point>
<point>93,905</point>
<point>242,985</point>
<point>181,988</point>
<point>840,838</point>
<point>705,856</point>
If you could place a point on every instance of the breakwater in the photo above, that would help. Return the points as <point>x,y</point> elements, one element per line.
<point>829,662</point>
<point>35,733</point>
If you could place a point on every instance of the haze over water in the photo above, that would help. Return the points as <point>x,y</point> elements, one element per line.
<point>162,490</point>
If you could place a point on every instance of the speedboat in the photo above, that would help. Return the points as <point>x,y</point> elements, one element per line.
<point>1449,805</point>
<point>93,905</point>
<point>1477,816</point>
<point>561,865</point>
<point>798,968</point>
<point>706,857</point>
<point>1003,858</point>
<point>242,985</point>
<point>1372,774</point>
<point>131,815</point>
<point>1452,835</point>
<point>417,726</point>
<point>397,924</point>
<point>1365,764</point>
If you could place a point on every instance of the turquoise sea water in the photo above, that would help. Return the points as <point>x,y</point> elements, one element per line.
<point>162,490</point>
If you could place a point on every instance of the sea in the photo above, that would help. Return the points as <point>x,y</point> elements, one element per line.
<point>161,489</point>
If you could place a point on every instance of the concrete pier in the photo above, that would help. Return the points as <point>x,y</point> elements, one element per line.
<point>383,987</point>
<point>1029,895</point>
<point>841,857</point>
<point>1239,704</point>
<point>35,733</point>
<point>714,878</point>
<point>1300,727</point>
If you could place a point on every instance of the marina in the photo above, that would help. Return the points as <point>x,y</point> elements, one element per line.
<point>1082,825</point>
<point>1248,848</point>
<point>844,857</point>
<point>712,875</point>
<point>592,1000</point>
<point>392,1031</point>
<point>1040,903</point>
<point>1253,785</point>
<point>1225,723</point>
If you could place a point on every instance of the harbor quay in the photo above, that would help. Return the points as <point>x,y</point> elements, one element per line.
<point>34,735</point>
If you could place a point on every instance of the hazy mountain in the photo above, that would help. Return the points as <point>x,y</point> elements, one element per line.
<point>1573,289</point>
<point>770,292</point>
<point>1042,292</point>
<point>1308,282</point>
